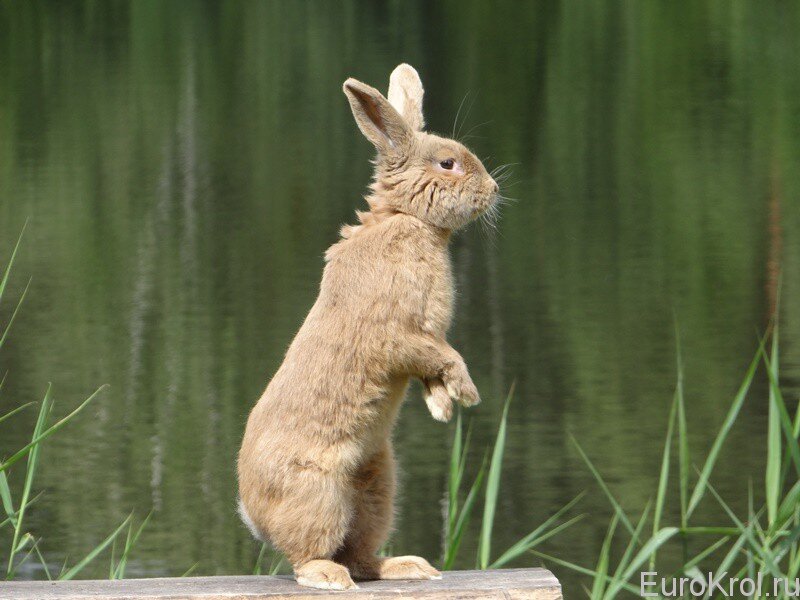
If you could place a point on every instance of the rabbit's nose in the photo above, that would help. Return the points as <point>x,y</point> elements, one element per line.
<point>495,187</point>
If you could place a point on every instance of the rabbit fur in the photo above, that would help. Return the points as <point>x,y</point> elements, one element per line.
<point>316,467</point>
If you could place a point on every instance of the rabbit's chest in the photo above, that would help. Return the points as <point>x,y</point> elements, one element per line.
<point>439,299</point>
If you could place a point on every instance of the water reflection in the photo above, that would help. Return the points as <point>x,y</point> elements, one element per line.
<point>184,171</point>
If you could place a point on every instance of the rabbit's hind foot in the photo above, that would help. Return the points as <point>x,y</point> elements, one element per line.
<point>324,575</point>
<point>407,567</point>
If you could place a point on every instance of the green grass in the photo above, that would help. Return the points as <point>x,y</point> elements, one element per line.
<point>459,514</point>
<point>275,562</point>
<point>763,542</point>
<point>23,544</point>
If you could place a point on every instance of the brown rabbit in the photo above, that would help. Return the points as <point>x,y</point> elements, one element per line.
<point>316,469</point>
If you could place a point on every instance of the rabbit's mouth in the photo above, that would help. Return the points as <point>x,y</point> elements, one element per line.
<point>485,197</point>
<point>488,198</point>
<point>481,206</point>
<point>484,203</point>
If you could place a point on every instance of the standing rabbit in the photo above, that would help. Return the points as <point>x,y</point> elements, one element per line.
<point>316,468</point>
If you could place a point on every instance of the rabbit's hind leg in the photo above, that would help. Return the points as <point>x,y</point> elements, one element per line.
<point>310,524</point>
<point>372,523</point>
<point>373,513</point>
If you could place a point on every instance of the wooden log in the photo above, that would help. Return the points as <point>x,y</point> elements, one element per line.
<point>507,584</point>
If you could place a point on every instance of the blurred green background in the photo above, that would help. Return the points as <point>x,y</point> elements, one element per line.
<point>184,166</point>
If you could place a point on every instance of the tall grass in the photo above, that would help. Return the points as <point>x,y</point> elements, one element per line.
<point>22,544</point>
<point>765,542</point>
<point>458,514</point>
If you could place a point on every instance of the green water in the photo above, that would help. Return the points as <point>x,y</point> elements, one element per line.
<point>185,166</point>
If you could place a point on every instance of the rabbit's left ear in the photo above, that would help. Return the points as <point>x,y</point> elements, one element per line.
<point>377,119</point>
<point>405,94</point>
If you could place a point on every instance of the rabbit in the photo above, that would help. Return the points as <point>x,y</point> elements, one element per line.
<point>316,467</point>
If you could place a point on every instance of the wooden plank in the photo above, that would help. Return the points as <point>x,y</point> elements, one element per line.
<point>507,584</point>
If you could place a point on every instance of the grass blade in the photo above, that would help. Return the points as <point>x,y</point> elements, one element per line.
<point>535,541</point>
<point>787,507</point>
<point>43,562</point>
<point>683,453</point>
<point>5,497</point>
<point>261,553</point>
<point>458,462</point>
<point>70,574</point>
<point>11,518</point>
<point>747,533</point>
<point>773,471</point>
<point>275,566</point>
<point>647,550</point>
<point>696,560</point>
<point>21,453</point>
<point>463,518</point>
<point>11,413</point>
<point>683,433</point>
<point>112,569</point>
<point>454,480</point>
<point>23,543</point>
<point>664,475</point>
<point>7,272</point>
<point>536,536</point>
<point>786,454</point>
<point>30,472</point>
<point>493,488</point>
<point>599,583</point>
<point>709,531</point>
<point>130,543</point>
<point>626,556</point>
<point>14,314</point>
<point>730,418</point>
<point>583,570</point>
<point>786,422</point>
<point>617,506</point>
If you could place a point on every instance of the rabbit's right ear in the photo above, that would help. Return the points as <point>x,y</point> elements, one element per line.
<point>405,94</point>
<point>376,117</point>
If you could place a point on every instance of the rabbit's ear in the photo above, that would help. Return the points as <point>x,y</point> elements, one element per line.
<point>376,118</point>
<point>405,94</point>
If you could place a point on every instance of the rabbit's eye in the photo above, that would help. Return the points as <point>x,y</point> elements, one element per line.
<point>448,163</point>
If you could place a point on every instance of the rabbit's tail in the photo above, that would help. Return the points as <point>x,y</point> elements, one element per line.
<point>257,533</point>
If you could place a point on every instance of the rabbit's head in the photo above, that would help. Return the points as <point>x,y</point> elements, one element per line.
<point>435,179</point>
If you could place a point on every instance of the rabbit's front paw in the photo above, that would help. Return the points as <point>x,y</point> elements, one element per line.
<point>461,388</point>
<point>438,400</point>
